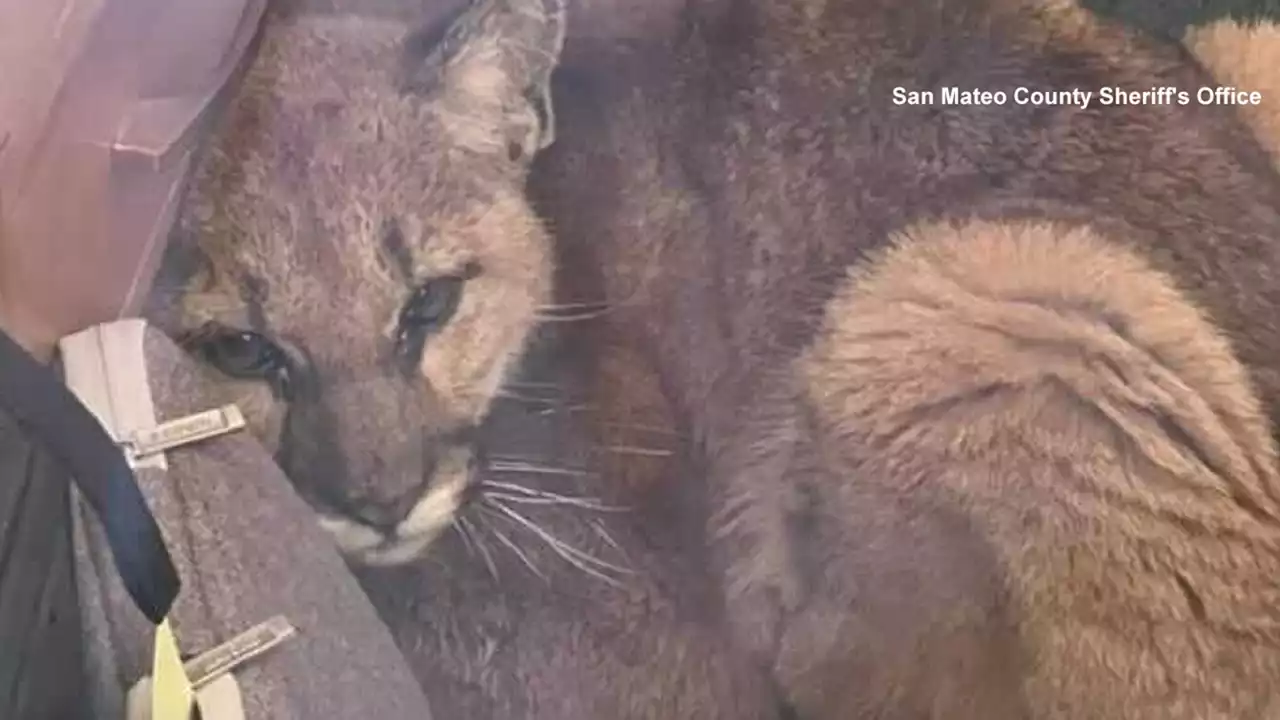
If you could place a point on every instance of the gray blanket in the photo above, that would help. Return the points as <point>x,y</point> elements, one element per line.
<point>247,548</point>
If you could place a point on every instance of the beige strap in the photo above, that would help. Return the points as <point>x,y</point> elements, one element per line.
<point>252,643</point>
<point>106,367</point>
<point>219,700</point>
<point>210,674</point>
<point>183,431</point>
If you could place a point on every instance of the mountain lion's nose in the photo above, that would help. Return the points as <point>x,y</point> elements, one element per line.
<point>385,514</point>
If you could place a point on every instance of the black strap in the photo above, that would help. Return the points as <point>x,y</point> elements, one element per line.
<point>44,407</point>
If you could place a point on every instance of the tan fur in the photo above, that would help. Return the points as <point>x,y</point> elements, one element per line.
<point>982,395</point>
<point>494,622</point>
<point>651,645</point>
<point>317,94</point>
<point>1247,57</point>
<point>1097,433</point>
<point>336,132</point>
<point>713,186</point>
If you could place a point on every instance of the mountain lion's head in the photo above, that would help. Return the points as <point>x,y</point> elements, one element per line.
<point>368,270</point>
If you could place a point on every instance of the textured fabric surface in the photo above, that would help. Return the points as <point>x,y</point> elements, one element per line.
<point>247,548</point>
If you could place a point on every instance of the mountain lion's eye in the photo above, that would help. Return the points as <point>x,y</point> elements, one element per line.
<point>433,304</point>
<point>430,308</point>
<point>241,354</point>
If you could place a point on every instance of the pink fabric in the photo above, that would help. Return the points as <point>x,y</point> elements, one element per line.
<point>97,127</point>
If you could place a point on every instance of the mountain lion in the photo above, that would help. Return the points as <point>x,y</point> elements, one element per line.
<point>982,387</point>
<point>359,265</point>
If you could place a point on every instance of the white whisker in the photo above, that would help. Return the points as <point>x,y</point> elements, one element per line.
<point>584,503</point>
<point>461,529</point>
<point>510,486</point>
<point>571,554</point>
<point>584,311</point>
<point>551,408</point>
<point>635,450</point>
<point>534,469</point>
<point>575,306</point>
<point>528,562</point>
<point>604,535</point>
<point>484,551</point>
<point>548,495</point>
<point>536,492</point>
<point>521,397</point>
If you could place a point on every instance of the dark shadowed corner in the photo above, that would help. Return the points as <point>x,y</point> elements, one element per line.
<point>1172,17</point>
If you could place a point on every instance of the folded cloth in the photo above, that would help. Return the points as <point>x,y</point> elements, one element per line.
<point>246,547</point>
<point>103,109</point>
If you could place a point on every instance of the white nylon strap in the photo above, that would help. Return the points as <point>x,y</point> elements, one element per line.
<point>219,700</point>
<point>106,368</point>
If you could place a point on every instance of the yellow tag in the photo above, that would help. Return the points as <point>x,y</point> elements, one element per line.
<point>171,693</point>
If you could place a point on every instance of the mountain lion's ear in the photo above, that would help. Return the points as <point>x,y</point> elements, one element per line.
<point>489,70</point>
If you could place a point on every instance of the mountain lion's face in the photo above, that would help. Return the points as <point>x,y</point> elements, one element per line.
<point>371,268</point>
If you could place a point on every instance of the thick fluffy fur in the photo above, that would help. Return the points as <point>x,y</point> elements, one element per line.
<point>1002,469</point>
<point>1248,57</point>
<point>1102,445</point>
